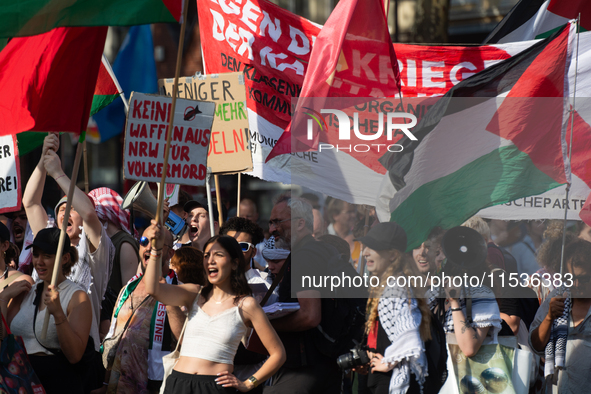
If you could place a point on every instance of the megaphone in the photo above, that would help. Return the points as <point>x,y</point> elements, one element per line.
<point>464,247</point>
<point>141,199</point>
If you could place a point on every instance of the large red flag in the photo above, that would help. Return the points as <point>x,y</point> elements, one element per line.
<point>353,56</point>
<point>48,81</point>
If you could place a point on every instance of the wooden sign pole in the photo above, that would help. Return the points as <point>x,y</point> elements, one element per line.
<point>57,266</point>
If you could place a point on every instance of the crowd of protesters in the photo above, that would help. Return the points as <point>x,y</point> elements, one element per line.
<point>124,300</point>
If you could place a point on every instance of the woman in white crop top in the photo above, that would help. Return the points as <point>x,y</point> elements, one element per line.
<point>220,314</point>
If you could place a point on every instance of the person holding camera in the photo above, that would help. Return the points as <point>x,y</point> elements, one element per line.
<point>398,323</point>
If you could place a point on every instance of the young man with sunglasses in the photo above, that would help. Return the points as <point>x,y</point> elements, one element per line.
<point>249,235</point>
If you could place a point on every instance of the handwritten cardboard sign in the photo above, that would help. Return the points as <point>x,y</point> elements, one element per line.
<point>229,149</point>
<point>145,139</point>
<point>10,175</point>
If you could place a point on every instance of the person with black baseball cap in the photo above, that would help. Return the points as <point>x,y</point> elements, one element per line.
<point>398,323</point>
<point>54,357</point>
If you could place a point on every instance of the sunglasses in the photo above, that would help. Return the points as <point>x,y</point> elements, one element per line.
<point>144,241</point>
<point>245,246</point>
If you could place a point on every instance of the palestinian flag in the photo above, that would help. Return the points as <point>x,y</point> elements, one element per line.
<point>494,137</point>
<point>530,19</point>
<point>107,88</point>
<point>48,80</point>
<point>30,17</point>
<point>105,91</point>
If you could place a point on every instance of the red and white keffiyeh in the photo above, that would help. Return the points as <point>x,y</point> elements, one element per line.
<point>107,204</point>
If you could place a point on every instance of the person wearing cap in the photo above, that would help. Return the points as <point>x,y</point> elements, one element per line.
<point>469,312</point>
<point>198,221</point>
<point>86,232</point>
<point>53,358</point>
<point>398,320</point>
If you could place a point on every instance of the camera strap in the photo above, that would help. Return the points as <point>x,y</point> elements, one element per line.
<point>469,309</point>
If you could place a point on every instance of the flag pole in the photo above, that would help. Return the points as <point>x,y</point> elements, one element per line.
<point>179,58</point>
<point>361,264</point>
<point>238,197</point>
<point>86,188</point>
<point>57,266</point>
<point>209,202</point>
<point>116,82</point>
<point>218,199</point>
<point>570,148</point>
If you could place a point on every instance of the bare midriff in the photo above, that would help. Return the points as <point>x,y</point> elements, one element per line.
<point>199,366</point>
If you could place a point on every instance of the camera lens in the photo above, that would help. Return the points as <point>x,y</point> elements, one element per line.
<point>345,361</point>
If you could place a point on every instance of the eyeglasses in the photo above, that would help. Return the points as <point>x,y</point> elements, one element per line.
<point>275,222</point>
<point>245,246</point>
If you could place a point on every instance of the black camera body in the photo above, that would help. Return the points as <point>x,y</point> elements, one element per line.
<point>356,357</point>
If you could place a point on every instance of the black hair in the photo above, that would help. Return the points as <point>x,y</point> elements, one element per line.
<point>577,254</point>
<point>237,279</point>
<point>244,225</point>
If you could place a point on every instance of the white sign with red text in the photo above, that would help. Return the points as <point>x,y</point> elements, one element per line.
<point>145,139</point>
<point>10,185</point>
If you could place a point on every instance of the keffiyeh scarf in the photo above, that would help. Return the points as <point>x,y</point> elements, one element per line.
<point>401,318</point>
<point>270,252</point>
<point>107,204</point>
<point>555,351</point>
<point>485,310</point>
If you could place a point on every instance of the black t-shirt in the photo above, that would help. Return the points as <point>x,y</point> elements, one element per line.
<point>308,258</point>
<point>380,380</point>
<point>511,307</point>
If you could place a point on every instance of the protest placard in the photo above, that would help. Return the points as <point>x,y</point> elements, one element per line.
<point>171,193</point>
<point>229,150</point>
<point>10,182</point>
<point>145,139</point>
